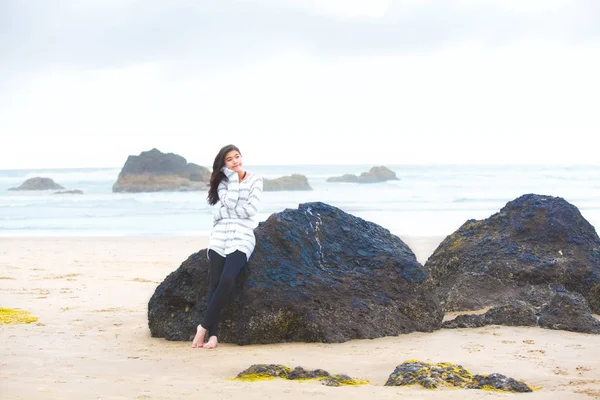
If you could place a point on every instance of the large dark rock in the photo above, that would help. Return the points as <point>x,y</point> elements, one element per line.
<point>374,175</point>
<point>317,274</point>
<point>292,182</point>
<point>154,171</point>
<point>519,253</point>
<point>38,183</point>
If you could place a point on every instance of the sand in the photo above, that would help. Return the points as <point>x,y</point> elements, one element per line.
<point>92,339</point>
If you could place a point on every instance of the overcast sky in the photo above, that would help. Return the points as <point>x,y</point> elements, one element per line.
<point>86,83</point>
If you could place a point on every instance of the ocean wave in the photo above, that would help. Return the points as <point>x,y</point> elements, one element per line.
<point>61,176</point>
<point>481,200</point>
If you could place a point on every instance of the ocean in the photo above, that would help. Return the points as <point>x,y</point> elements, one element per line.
<point>427,200</point>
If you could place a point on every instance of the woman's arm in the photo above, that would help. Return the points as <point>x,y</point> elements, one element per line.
<point>248,209</point>
<point>229,191</point>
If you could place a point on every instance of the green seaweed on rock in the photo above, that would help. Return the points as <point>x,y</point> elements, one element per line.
<point>432,376</point>
<point>258,372</point>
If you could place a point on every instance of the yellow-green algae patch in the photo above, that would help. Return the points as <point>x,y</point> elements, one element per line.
<point>12,316</point>
<point>343,380</point>
<point>261,372</point>
<point>431,376</point>
<point>457,241</point>
<point>254,377</point>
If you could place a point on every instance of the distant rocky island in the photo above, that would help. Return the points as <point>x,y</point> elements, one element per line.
<point>374,175</point>
<point>155,171</point>
<point>39,183</point>
<point>291,182</point>
<point>44,184</point>
<point>72,191</point>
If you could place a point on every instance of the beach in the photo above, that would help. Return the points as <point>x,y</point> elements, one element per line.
<point>92,339</point>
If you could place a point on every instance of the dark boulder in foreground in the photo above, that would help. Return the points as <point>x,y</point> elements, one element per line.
<point>292,182</point>
<point>38,183</point>
<point>317,274</point>
<point>374,175</point>
<point>154,171</point>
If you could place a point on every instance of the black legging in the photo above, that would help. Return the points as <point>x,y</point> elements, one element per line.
<point>223,271</point>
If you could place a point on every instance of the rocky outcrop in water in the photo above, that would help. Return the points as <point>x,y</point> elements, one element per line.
<point>347,178</point>
<point>374,175</point>
<point>292,182</point>
<point>38,183</point>
<point>317,274</point>
<point>154,171</point>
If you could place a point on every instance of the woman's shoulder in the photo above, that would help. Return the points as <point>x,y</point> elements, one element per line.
<point>255,177</point>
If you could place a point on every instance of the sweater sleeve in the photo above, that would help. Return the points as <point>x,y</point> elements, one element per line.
<point>229,191</point>
<point>249,208</point>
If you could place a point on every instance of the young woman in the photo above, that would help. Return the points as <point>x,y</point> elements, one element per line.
<point>236,193</point>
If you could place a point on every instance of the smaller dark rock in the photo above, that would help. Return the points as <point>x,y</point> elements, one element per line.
<point>429,375</point>
<point>465,321</point>
<point>268,371</point>
<point>499,382</point>
<point>452,375</point>
<point>517,313</point>
<point>340,380</point>
<point>264,370</point>
<point>569,311</point>
<point>301,373</point>
<point>331,382</point>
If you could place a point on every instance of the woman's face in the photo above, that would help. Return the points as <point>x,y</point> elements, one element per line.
<point>233,160</point>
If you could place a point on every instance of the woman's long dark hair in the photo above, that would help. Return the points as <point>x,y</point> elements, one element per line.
<point>217,175</point>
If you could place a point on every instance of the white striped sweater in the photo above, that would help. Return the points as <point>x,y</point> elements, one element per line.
<point>234,221</point>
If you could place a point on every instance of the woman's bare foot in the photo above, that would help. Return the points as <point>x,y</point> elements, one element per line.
<point>199,338</point>
<point>212,343</point>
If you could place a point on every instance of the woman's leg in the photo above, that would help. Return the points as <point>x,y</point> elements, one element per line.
<point>234,263</point>
<point>216,264</point>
